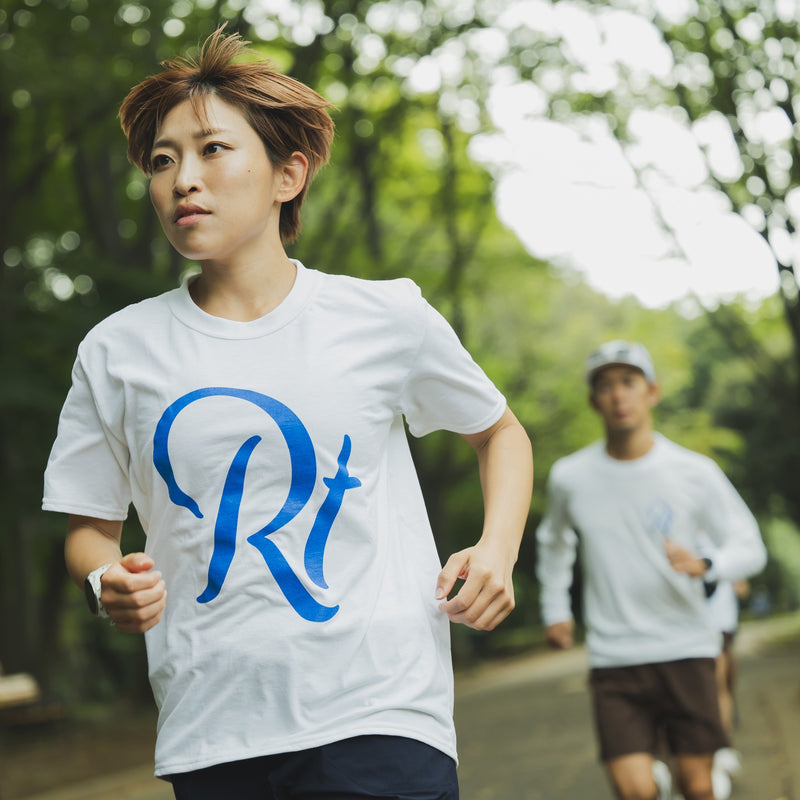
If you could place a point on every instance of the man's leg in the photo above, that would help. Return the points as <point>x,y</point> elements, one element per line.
<point>632,777</point>
<point>694,776</point>
<point>694,725</point>
<point>626,721</point>
<point>724,672</point>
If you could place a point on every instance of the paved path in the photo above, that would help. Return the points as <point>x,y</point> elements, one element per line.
<point>525,733</point>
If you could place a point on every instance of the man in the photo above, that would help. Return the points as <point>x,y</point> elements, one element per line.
<point>639,503</point>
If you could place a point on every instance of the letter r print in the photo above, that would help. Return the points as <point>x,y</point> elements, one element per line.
<point>303,478</point>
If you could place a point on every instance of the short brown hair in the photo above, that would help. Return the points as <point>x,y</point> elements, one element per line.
<point>286,114</point>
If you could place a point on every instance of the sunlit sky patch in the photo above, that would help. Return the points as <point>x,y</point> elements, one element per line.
<point>573,195</point>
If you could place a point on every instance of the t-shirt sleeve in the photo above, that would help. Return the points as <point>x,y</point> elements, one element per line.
<point>445,388</point>
<point>87,472</point>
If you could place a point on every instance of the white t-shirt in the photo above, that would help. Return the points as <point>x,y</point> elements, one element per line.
<point>723,604</point>
<point>723,607</point>
<point>269,466</point>
<point>637,608</point>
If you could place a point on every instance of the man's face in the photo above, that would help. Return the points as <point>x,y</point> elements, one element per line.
<point>623,397</point>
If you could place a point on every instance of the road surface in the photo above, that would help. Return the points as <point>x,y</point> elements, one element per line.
<point>525,733</point>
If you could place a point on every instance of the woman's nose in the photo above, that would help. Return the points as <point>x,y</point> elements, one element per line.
<point>187,178</point>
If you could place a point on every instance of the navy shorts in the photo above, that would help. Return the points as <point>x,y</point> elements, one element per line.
<point>380,767</point>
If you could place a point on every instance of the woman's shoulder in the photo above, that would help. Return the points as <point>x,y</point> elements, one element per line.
<point>394,291</point>
<point>395,304</point>
<point>137,319</point>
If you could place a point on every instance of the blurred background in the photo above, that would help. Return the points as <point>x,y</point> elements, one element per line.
<point>553,173</point>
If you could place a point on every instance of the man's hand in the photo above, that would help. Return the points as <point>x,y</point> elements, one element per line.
<point>487,596</point>
<point>133,593</point>
<point>683,560</point>
<point>559,634</point>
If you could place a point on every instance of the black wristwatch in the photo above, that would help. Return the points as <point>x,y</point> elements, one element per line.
<point>709,586</point>
<point>93,588</point>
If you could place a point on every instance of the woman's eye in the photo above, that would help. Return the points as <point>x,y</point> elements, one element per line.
<point>160,161</point>
<point>212,148</point>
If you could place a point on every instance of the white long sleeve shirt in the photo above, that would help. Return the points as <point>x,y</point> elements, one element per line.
<point>637,608</point>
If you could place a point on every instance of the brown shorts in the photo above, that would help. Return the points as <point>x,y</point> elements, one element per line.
<point>634,706</point>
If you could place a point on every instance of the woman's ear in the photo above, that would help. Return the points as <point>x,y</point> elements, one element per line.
<point>293,176</point>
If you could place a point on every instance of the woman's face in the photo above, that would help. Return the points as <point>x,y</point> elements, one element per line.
<point>213,187</point>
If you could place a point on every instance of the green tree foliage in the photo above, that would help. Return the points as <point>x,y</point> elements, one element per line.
<point>740,359</point>
<point>741,64</point>
<point>734,69</point>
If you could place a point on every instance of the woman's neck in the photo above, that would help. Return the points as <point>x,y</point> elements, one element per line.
<point>244,293</point>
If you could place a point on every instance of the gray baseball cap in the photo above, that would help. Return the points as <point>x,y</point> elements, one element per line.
<point>620,352</point>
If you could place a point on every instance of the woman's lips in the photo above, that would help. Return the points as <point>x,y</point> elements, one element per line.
<point>190,219</point>
<point>189,214</point>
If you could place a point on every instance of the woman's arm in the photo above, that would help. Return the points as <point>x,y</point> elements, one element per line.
<point>506,470</point>
<point>132,593</point>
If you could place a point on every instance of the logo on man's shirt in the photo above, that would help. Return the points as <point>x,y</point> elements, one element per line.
<point>659,518</point>
<point>303,466</point>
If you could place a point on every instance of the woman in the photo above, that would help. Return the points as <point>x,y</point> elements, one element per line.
<point>254,418</point>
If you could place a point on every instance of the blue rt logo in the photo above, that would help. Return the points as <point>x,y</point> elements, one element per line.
<point>303,477</point>
<point>660,517</point>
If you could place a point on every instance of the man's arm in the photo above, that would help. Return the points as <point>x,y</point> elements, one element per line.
<point>132,593</point>
<point>560,634</point>
<point>556,544</point>
<point>505,463</point>
<point>738,550</point>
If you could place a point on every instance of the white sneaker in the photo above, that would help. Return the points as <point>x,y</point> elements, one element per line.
<point>663,779</point>
<point>721,783</point>
<point>728,760</point>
